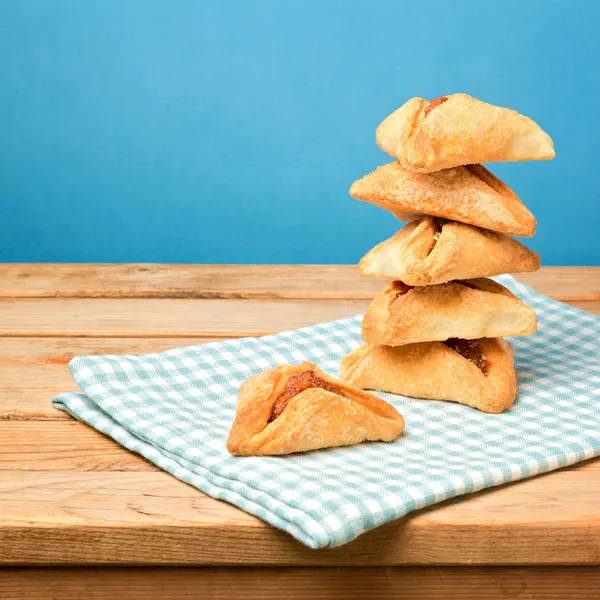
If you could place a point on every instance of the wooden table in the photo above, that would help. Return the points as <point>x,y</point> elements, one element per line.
<point>71,497</point>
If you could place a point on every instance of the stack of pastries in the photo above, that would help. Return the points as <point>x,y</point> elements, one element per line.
<point>436,331</point>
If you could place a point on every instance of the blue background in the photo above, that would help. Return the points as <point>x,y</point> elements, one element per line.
<point>230,131</point>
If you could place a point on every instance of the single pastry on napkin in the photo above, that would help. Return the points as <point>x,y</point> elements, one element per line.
<point>478,373</point>
<point>296,408</point>
<point>468,309</point>
<point>430,251</point>
<point>459,130</point>
<point>468,194</point>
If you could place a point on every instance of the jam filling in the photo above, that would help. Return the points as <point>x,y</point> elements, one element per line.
<point>435,102</point>
<point>436,235</point>
<point>297,384</point>
<point>471,350</point>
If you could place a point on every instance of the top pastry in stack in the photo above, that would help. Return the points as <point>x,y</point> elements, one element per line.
<point>436,331</point>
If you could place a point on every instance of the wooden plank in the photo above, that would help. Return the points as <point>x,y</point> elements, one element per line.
<point>241,281</point>
<point>34,370</point>
<point>84,317</point>
<point>63,446</point>
<point>592,306</point>
<point>151,518</point>
<point>256,583</point>
<point>184,281</point>
<point>99,317</point>
<point>565,283</point>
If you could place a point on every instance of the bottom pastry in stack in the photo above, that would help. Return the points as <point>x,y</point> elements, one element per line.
<point>479,373</point>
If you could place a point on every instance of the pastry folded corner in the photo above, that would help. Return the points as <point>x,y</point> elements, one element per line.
<point>469,194</point>
<point>468,309</point>
<point>297,408</point>
<point>459,130</point>
<point>429,251</point>
<point>396,129</point>
<point>477,373</point>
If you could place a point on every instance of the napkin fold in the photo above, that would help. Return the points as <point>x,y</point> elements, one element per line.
<point>175,408</point>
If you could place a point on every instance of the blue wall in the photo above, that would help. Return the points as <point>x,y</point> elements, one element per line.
<point>230,131</point>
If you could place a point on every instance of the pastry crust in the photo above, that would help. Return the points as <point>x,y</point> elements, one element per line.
<point>427,252</point>
<point>470,309</point>
<point>314,418</point>
<point>460,130</point>
<point>435,371</point>
<point>468,194</point>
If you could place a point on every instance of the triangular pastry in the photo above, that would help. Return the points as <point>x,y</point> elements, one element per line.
<point>468,309</point>
<point>296,408</point>
<point>460,130</point>
<point>431,251</point>
<point>468,194</point>
<point>479,373</point>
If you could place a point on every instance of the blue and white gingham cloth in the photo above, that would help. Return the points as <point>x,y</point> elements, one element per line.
<point>176,408</point>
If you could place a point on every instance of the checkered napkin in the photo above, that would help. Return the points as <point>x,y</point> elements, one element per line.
<point>176,408</point>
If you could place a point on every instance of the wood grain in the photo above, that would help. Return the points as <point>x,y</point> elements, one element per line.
<point>184,281</point>
<point>62,446</point>
<point>241,281</point>
<point>34,370</point>
<point>99,317</point>
<point>565,283</point>
<point>375,583</point>
<point>592,306</point>
<point>152,518</point>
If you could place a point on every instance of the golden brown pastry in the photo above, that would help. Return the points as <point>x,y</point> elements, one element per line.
<point>479,373</point>
<point>460,130</point>
<point>295,408</point>
<point>430,251</point>
<point>468,309</point>
<point>468,194</point>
